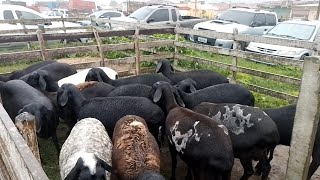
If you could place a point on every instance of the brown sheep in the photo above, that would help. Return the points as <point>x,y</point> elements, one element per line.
<point>135,151</point>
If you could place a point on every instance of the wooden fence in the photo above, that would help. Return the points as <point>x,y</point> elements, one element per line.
<point>46,53</point>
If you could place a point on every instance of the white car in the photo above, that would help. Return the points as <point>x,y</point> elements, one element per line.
<point>293,30</point>
<point>104,14</point>
<point>8,12</point>
<point>247,21</point>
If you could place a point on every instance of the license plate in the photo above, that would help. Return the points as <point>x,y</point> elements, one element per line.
<point>203,40</point>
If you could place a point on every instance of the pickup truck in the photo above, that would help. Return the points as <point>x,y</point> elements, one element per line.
<point>247,21</point>
<point>11,12</point>
<point>156,15</point>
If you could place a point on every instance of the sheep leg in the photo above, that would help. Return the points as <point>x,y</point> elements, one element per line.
<point>173,161</point>
<point>189,174</point>
<point>258,168</point>
<point>247,166</point>
<point>265,167</point>
<point>56,143</point>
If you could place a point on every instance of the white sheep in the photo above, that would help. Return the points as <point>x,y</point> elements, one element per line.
<point>87,152</point>
<point>80,76</point>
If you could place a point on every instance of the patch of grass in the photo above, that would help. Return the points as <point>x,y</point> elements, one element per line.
<point>6,68</point>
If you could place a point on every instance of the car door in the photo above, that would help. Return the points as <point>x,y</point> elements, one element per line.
<point>159,17</point>
<point>28,15</point>
<point>9,15</point>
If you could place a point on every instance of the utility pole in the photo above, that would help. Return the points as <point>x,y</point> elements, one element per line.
<point>317,16</point>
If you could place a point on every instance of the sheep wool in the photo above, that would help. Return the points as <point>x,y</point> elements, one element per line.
<point>87,138</point>
<point>135,150</point>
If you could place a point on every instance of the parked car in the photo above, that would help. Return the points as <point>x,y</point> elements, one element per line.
<point>104,14</point>
<point>293,30</point>
<point>157,15</point>
<point>64,12</point>
<point>8,12</point>
<point>247,21</point>
<point>55,14</point>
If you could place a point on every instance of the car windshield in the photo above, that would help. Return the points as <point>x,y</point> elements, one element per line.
<point>292,31</point>
<point>240,17</point>
<point>141,13</point>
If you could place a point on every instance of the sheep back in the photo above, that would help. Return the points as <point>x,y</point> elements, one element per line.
<point>87,136</point>
<point>93,89</point>
<point>135,150</point>
<point>138,90</point>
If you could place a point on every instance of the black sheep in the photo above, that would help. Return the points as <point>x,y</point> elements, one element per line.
<point>138,90</point>
<point>96,74</point>
<point>41,80</point>
<point>203,78</point>
<point>108,109</point>
<point>284,119</point>
<point>202,143</point>
<point>94,89</point>
<point>17,97</point>
<point>56,70</point>
<point>253,133</point>
<point>19,73</point>
<point>221,93</point>
<point>187,85</point>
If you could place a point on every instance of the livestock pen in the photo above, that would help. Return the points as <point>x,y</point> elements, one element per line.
<point>234,67</point>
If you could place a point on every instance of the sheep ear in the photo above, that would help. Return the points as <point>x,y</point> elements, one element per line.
<point>42,83</point>
<point>178,98</point>
<point>106,166</point>
<point>157,95</point>
<point>171,68</point>
<point>63,99</point>
<point>75,171</point>
<point>99,77</point>
<point>192,89</point>
<point>158,66</point>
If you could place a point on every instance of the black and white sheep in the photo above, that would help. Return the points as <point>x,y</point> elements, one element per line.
<point>139,90</point>
<point>284,119</point>
<point>135,152</point>
<point>203,78</point>
<point>221,93</point>
<point>86,153</point>
<point>253,133</point>
<point>107,109</point>
<point>41,80</point>
<point>80,76</point>
<point>202,143</point>
<point>17,97</point>
<point>96,74</point>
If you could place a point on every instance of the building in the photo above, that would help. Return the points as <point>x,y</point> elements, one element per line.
<point>305,11</point>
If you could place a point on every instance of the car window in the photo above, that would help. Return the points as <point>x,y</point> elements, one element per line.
<point>27,15</point>
<point>7,14</point>
<point>174,15</point>
<point>271,20</point>
<point>237,16</point>
<point>260,20</point>
<point>110,14</point>
<point>160,15</point>
<point>292,31</point>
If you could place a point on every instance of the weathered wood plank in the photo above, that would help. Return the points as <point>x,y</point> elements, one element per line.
<point>153,44</point>
<point>18,38</point>
<point>15,153</point>
<point>241,54</point>
<point>249,38</point>
<point>272,93</point>
<point>24,55</point>
<point>71,50</point>
<point>20,31</point>
<point>117,47</point>
<point>305,122</point>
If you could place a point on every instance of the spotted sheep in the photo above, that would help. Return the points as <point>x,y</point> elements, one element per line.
<point>200,142</point>
<point>253,134</point>
<point>86,153</point>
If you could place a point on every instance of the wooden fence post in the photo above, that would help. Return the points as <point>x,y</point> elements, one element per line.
<point>26,124</point>
<point>99,43</point>
<point>234,65</point>
<point>25,31</point>
<point>306,121</point>
<point>42,44</point>
<point>175,60</point>
<point>137,50</point>
<point>64,29</point>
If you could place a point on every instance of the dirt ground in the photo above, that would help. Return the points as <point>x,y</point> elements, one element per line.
<point>278,166</point>
<point>279,162</point>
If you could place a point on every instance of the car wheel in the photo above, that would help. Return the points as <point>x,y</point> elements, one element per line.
<point>304,56</point>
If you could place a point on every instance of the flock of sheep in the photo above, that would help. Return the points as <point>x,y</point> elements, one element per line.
<point>116,126</point>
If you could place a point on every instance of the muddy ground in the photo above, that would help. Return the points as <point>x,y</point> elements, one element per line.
<point>279,162</point>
